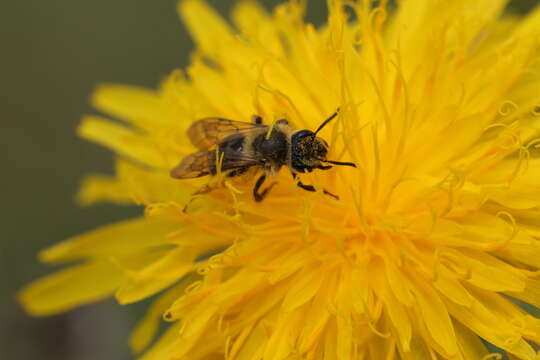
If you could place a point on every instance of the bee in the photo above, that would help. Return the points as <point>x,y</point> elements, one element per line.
<point>235,147</point>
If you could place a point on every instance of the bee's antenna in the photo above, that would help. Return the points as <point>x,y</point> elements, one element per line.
<point>326,121</point>
<point>338,162</point>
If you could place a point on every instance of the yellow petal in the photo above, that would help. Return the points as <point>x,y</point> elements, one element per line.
<point>146,187</point>
<point>412,18</point>
<point>518,197</point>
<point>204,23</point>
<point>344,335</point>
<point>523,248</point>
<point>400,319</point>
<point>219,93</point>
<point>470,345</point>
<point>157,276</point>
<point>196,323</point>
<point>96,189</point>
<point>248,16</point>
<point>69,288</point>
<point>303,287</point>
<point>512,173</point>
<point>316,322</point>
<point>486,271</point>
<point>449,286</point>
<point>530,26</point>
<point>492,329</point>
<point>254,343</point>
<point>284,334</point>
<point>398,284</point>
<point>131,103</point>
<point>382,347</point>
<point>134,185</point>
<point>418,351</point>
<point>162,348</point>
<point>242,343</point>
<point>147,328</point>
<point>256,24</point>
<point>407,20</point>
<point>436,318</point>
<point>122,140</point>
<point>531,293</point>
<point>329,348</point>
<point>117,239</point>
<point>397,312</point>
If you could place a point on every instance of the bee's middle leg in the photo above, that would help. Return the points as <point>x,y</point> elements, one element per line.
<point>311,188</point>
<point>260,196</point>
<point>204,190</point>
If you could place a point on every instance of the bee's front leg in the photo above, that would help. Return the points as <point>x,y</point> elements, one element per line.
<point>311,188</point>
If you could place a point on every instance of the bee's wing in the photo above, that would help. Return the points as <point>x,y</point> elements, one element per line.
<point>208,132</point>
<point>204,163</point>
<point>193,166</point>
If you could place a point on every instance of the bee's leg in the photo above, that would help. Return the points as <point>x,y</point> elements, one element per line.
<point>325,167</point>
<point>260,196</point>
<point>204,190</point>
<point>311,188</point>
<point>257,119</point>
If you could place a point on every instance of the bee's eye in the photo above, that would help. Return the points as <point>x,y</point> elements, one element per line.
<point>302,135</point>
<point>303,141</point>
<point>320,148</point>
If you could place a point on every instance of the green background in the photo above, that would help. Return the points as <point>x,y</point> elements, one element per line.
<point>53,54</point>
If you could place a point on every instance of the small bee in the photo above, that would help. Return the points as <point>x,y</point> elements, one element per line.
<point>234,147</point>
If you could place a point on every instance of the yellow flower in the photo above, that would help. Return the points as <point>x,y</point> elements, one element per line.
<point>435,235</point>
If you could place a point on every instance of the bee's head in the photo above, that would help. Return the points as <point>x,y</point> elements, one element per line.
<point>307,150</point>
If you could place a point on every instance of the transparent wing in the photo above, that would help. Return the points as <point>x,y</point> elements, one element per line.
<point>208,132</point>
<point>204,163</point>
<point>193,166</point>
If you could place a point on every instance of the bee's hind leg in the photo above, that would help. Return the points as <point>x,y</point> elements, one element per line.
<point>311,188</point>
<point>204,190</point>
<point>260,196</point>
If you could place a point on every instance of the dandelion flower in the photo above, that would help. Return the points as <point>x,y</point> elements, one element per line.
<point>431,250</point>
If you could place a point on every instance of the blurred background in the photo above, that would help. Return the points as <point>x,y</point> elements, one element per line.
<point>54,54</point>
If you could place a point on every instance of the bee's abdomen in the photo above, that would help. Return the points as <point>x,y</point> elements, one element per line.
<point>272,149</point>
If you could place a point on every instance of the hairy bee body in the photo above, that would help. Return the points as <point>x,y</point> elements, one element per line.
<point>234,148</point>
